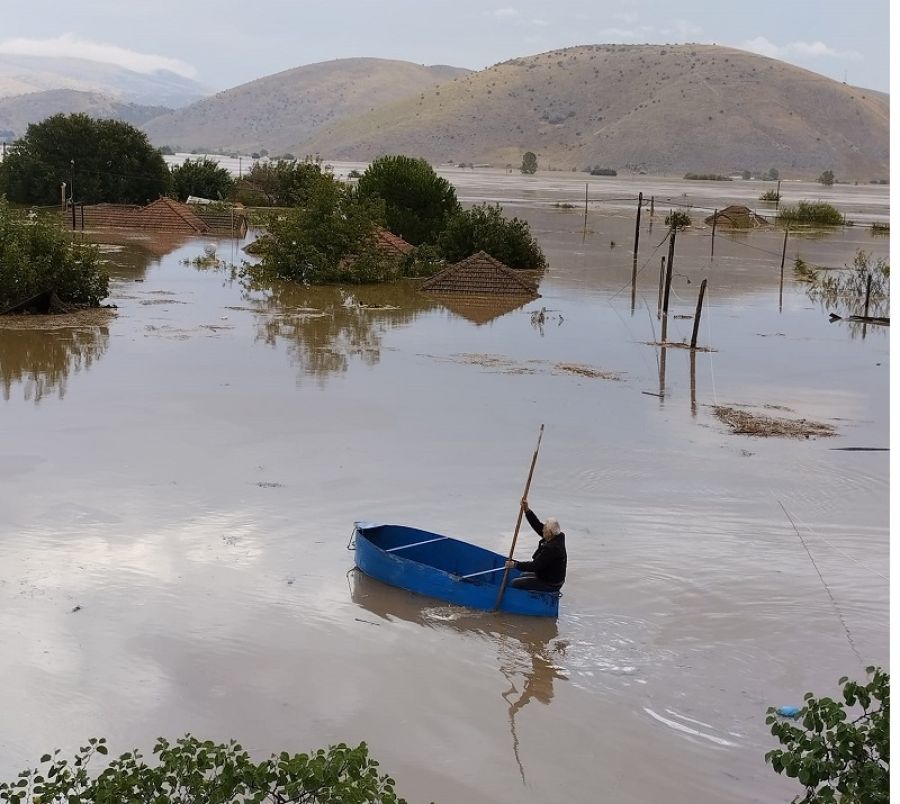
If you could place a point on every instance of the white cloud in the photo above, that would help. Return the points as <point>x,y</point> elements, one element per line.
<point>639,34</point>
<point>682,29</point>
<point>70,46</point>
<point>628,17</point>
<point>815,49</point>
<point>503,13</point>
<point>540,23</point>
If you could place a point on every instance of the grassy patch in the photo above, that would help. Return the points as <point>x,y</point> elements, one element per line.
<point>809,213</point>
<point>706,177</point>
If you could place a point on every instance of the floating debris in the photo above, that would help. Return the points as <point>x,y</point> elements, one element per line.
<point>743,422</point>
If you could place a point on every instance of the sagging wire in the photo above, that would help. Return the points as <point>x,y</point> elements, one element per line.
<point>827,588</point>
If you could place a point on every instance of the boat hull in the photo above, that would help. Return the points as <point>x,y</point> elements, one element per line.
<point>434,565</point>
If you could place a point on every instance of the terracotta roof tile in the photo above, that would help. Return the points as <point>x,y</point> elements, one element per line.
<point>480,275</point>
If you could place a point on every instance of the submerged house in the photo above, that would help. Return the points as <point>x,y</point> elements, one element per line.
<point>163,215</point>
<point>481,288</point>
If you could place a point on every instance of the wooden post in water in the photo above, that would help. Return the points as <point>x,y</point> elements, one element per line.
<point>662,280</point>
<point>781,281</point>
<point>669,266</point>
<point>585,206</point>
<point>693,382</point>
<point>784,250</point>
<point>652,200</point>
<point>712,243</point>
<point>868,293</point>
<point>637,224</point>
<point>697,315</point>
<point>778,196</point>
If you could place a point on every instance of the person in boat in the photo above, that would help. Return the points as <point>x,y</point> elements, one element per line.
<point>546,572</point>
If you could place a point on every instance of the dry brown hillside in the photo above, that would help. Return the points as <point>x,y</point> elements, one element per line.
<point>17,112</point>
<point>279,111</point>
<point>658,108</point>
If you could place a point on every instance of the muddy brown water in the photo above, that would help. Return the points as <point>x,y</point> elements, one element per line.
<point>188,474</point>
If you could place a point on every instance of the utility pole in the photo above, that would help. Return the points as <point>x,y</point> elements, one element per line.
<point>637,225</point>
<point>72,182</point>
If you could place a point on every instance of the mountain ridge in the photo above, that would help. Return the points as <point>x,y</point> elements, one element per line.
<point>658,108</point>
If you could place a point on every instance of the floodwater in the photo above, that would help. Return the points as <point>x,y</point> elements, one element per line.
<point>178,487</point>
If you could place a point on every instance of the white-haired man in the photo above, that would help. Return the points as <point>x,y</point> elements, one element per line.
<point>546,572</point>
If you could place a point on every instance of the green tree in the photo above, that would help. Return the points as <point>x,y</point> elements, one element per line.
<point>529,163</point>
<point>484,228</point>
<point>834,757</point>
<point>417,201</point>
<point>201,177</point>
<point>287,183</point>
<point>106,160</point>
<point>191,771</point>
<point>36,257</point>
<point>330,239</point>
<point>826,177</point>
<point>772,175</point>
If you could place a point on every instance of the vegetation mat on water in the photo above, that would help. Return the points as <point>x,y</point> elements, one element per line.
<point>92,317</point>
<point>742,422</point>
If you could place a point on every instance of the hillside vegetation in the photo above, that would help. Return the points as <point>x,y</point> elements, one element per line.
<point>657,108</point>
<point>18,111</point>
<point>280,112</point>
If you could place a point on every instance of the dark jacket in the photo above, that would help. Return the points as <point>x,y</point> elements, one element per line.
<point>549,560</point>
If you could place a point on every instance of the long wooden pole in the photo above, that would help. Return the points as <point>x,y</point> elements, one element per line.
<point>697,315</point>
<point>637,224</point>
<point>512,547</point>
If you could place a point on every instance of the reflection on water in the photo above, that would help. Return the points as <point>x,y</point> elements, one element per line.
<point>324,328</point>
<point>527,648</point>
<point>42,359</point>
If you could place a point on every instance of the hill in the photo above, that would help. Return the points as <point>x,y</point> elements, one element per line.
<point>288,108</point>
<point>26,74</point>
<point>656,108</point>
<point>18,111</point>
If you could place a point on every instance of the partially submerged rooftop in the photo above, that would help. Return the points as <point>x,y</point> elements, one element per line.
<point>481,276</point>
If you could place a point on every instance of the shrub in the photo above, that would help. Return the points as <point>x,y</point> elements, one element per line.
<point>417,202</point>
<point>834,757</point>
<point>36,257</point>
<point>189,770</point>
<point>706,177</point>
<point>811,212</point>
<point>484,228</point>
<point>599,171</point>
<point>769,195</point>
<point>826,178</point>
<point>679,219</point>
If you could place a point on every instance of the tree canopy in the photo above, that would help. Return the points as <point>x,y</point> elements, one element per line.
<point>201,177</point>
<point>484,228</point>
<point>285,183</point>
<point>329,239</point>
<point>418,202</point>
<point>192,771</point>
<point>841,749</point>
<point>529,163</point>
<point>36,257</point>
<point>99,160</point>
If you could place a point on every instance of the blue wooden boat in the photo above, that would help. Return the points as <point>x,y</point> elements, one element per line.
<point>444,568</point>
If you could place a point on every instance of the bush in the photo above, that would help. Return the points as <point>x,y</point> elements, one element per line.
<point>826,178</point>
<point>769,195</point>
<point>483,228</point>
<point>36,257</point>
<point>417,202</point>
<point>834,757</point>
<point>193,771</point>
<point>706,177</point>
<point>599,171</point>
<point>678,219</point>
<point>811,212</point>
<point>201,177</point>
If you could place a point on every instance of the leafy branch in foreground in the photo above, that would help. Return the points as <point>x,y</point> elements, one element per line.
<point>834,757</point>
<point>191,771</point>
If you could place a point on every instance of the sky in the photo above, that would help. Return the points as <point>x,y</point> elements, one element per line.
<point>223,43</point>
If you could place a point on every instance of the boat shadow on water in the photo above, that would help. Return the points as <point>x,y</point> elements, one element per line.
<point>530,654</point>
